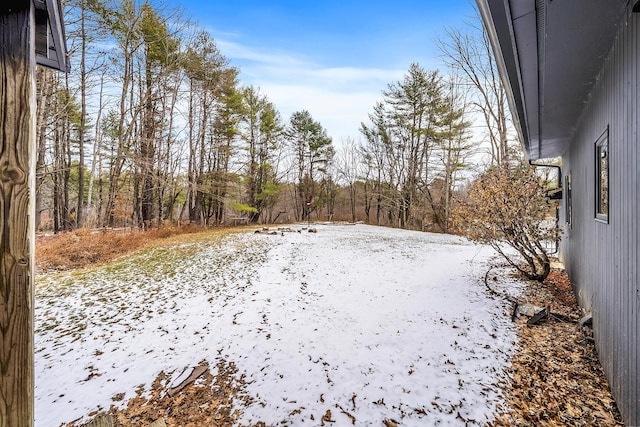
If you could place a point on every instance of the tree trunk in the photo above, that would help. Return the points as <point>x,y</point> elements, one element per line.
<point>147,152</point>
<point>83,118</point>
<point>118,162</point>
<point>44,84</point>
<point>66,169</point>
<point>96,159</point>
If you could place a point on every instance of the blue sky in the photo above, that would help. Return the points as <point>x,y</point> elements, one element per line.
<point>330,57</point>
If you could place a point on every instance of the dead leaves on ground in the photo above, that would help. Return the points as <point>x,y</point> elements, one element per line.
<point>556,378</point>
<point>206,402</point>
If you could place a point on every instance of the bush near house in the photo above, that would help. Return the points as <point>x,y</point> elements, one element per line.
<point>506,207</point>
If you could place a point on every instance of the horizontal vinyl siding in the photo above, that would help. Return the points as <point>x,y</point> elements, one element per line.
<point>602,259</point>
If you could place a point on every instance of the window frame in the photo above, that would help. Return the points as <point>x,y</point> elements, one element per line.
<point>602,177</point>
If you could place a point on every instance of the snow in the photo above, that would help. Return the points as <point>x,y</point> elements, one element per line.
<point>367,322</point>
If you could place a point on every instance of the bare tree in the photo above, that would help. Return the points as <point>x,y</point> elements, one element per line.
<point>45,101</point>
<point>469,52</point>
<point>96,157</point>
<point>454,147</point>
<point>122,22</point>
<point>378,173</point>
<point>349,164</point>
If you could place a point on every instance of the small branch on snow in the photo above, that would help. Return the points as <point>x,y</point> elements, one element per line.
<point>486,282</point>
<point>493,291</point>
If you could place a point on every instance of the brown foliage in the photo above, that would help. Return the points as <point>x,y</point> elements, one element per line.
<point>80,248</point>
<point>507,205</point>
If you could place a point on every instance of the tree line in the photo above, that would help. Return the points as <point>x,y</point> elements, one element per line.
<point>153,127</point>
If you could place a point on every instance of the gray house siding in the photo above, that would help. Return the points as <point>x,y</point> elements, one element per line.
<point>602,258</point>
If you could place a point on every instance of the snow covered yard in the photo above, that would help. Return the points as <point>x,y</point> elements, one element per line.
<point>369,323</point>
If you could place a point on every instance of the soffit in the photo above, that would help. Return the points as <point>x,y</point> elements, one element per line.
<point>552,53</point>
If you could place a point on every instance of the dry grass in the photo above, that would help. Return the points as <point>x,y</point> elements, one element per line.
<point>81,248</point>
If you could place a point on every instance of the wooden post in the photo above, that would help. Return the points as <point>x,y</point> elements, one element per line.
<point>17,232</point>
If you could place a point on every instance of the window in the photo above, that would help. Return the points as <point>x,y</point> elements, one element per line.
<point>602,177</point>
<point>567,208</point>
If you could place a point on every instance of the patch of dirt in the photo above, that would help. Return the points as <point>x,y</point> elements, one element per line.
<point>556,378</point>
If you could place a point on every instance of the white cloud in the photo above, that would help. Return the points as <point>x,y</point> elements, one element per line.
<point>339,112</point>
<point>338,97</point>
<point>237,51</point>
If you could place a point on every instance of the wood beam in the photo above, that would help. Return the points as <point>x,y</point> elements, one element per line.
<point>17,232</point>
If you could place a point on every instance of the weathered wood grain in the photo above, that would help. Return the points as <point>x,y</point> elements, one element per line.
<point>17,143</point>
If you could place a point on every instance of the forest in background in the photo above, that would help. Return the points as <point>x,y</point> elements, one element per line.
<point>152,127</point>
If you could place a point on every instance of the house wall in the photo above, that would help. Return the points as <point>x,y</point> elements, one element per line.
<point>602,258</point>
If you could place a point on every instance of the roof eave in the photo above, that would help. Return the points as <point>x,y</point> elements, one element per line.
<point>501,40</point>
